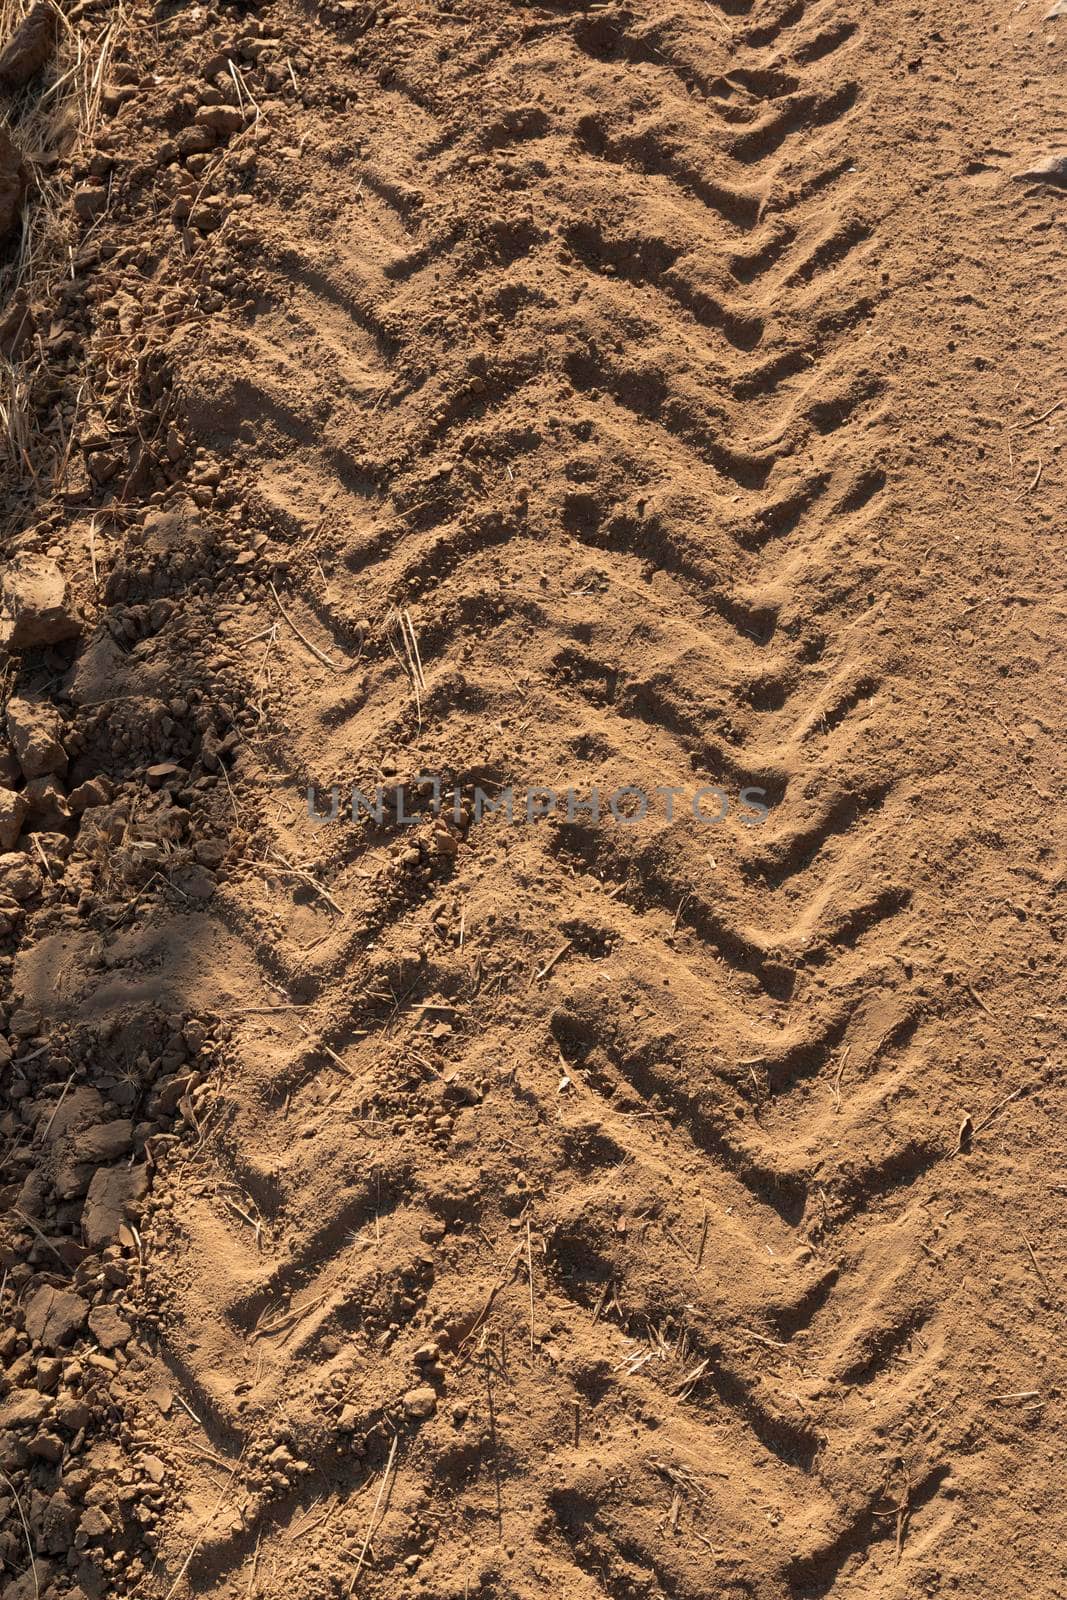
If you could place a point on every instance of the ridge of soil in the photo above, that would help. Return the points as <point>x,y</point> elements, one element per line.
<point>615,397</point>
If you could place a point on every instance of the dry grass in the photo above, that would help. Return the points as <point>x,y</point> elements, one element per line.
<point>52,121</point>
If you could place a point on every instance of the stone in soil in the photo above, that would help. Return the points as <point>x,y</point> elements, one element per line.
<point>47,1446</point>
<point>47,803</point>
<point>58,1523</point>
<point>29,47</point>
<point>34,609</point>
<point>95,1524</point>
<point>34,730</point>
<point>23,1408</point>
<point>114,1196</point>
<point>20,877</point>
<point>220,119</point>
<point>1052,170</point>
<point>420,1402</point>
<point>12,815</point>
<point>108,1328</point>
<point>79,1109</point>
<point>80,1158</point>
<point>54,1316</point>
<point>105,1142</point>
<point>196,882</point>
<point>89,201</point>
<point>94,792</point>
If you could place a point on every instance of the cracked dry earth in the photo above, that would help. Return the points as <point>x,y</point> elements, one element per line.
<point>638,1208</point>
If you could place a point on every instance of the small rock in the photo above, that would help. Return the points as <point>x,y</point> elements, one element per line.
<point>32,1583</point>
<point>98,668</point>
<point>47,1446</point>
<point>104,465</point>
<point>420,1402</point>
<point>77,1483</point>
<point>210,852</point>
<point>24,1023</point>
<point>195,141</point>
<point>46,803</point>
<point>162,1398</point>
<point>54,1316</point>
<point>34,729</point>
<point>113,1196</point>
<point>29,47</point>
<point>90,200</point>
<point>1053,170</point>
<point>71,1414</point>
<point>169,1095</point>
<point>20,1370</point>
<point>220,119</point>
<point>108,1328</point>
<point>79,1159</point>
<point>105,1141</point>
<point>58,1523</point>
<point>57,1526</point>
<point>13,810</point>
<point>94,792</point>
<point>56,846</point>
<point>23,1408</point>
<point>95,1524</point>
<point>34,602</point>
<point>49,1372</point>
<point>154,1468</point>
<point>196,882</point>
<point>20,877</point>
<point>206,217</point>
<point>158,774</point>
<point>79,1109</point>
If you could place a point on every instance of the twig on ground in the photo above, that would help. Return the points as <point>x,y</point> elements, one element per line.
<point>56,1109</point>
<point>1023,426</point>
<point>304,640</point>
<point>305,877</point>
<point>544,971</point>
<point>42,1237</point>
<point>703,1238</point>
<point>26,1531</point>
<point>529,1272</point>
<point>1037,1268</point>
<point>371,1525</point>
<point>412,663</point>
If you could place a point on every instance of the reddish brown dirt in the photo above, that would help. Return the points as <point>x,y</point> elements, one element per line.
<point>578,1206</point>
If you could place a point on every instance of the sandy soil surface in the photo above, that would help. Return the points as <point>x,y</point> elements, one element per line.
<point>661,401</point>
